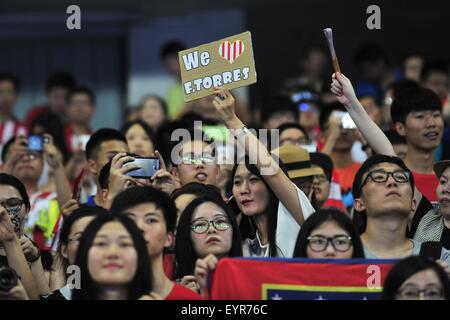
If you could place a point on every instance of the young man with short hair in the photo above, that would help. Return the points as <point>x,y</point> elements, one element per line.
<point>416,114</point>
<point>384,189</point>
<point>155,214</point>
<point>101,147</point>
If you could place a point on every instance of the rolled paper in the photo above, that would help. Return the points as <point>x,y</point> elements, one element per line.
<point>329,35</point>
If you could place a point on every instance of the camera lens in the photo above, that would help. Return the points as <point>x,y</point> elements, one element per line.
<point>8,279</point>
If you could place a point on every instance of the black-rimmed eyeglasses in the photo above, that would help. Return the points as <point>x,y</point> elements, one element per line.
<point>340,243</point>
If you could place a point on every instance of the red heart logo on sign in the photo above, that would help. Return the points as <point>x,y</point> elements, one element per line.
<point>231,51</point>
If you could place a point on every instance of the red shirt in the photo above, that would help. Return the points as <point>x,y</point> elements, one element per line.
<point>347,175</point>
<point>33,113</point>
<point>182,293</point>
<point>168,265</point>
<point>426,184</point>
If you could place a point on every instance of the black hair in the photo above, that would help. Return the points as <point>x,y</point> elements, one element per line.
<point>370,163</point>
<point>370,52</point>
<point>408,267</point>
<point>134,196</point>
<point>184,250</point>
<point>440,66</point>
<point>9,180</point>
<point>192,116</point>
<point>326,112</point>
<point>197,189</point>
<point>164,133</point>
<point>11,78</point>
<point>68,222</point>
<point>52,125</point>
<point>141,283</point>
<point>100,136</point>
<point>394,137</point>
<point>171,48</point>
<point>6,147</point>
<point>401,85</point>
<point>81,212</point>
<point>370,95</point>
<point>193,134</point>
<point>320,217</point>
<point>103,176</point>
<point>247,225</point>
<point>160,100</point>
<point>82,90</point>
<point>324,161</point>
<point>147,129</point>
<point>413,100</point>
<point>278,105</point>
<point>60,80</point>
<point>292,125</point>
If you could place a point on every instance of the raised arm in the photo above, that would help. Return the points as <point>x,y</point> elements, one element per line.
<point>55,161</point>
<point>15,256</point>
<point>343,89</point>
<point>258,154</point>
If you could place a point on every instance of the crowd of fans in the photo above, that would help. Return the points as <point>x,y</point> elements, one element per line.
<point>356,171</point>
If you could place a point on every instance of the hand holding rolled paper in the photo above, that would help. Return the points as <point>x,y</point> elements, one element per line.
<point>329,35</point>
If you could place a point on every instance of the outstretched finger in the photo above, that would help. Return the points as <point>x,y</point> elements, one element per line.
<point>162,163</point>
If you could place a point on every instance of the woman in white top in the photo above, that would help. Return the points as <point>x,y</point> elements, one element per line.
<point>275,206</point>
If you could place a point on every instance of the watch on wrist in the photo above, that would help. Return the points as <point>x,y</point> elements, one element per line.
<point>241,132</point>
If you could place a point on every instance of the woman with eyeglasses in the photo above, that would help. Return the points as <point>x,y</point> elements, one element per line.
<point>14,208</point>
<point>207,231</point>
<point>416,278</point>
<point>328,234</point>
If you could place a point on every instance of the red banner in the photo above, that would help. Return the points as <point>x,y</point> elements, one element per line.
<point>299,279</point>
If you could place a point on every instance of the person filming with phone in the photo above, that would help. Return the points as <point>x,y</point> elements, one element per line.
<point>24,158</point>
<point>127,170</point>
<point>338,133</point>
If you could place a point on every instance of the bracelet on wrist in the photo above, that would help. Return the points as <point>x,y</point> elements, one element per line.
<point>36,258</point>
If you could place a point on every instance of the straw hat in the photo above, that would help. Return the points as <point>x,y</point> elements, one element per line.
<point>297,161</point>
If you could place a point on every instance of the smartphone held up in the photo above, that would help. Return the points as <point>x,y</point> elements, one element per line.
<point>148,167</point>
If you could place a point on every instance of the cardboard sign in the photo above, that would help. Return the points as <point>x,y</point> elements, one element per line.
<point>226,63</point>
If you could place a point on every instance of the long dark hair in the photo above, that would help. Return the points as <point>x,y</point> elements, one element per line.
<point>317,219</point>
<point>408,267</point>
<point>185,254</point>
<point>68,222</point>
<point>247,225</point>
<point>141,283</point>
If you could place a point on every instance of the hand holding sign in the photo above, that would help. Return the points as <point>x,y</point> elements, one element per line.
<point>225,63</point>
<point>224,104</point>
